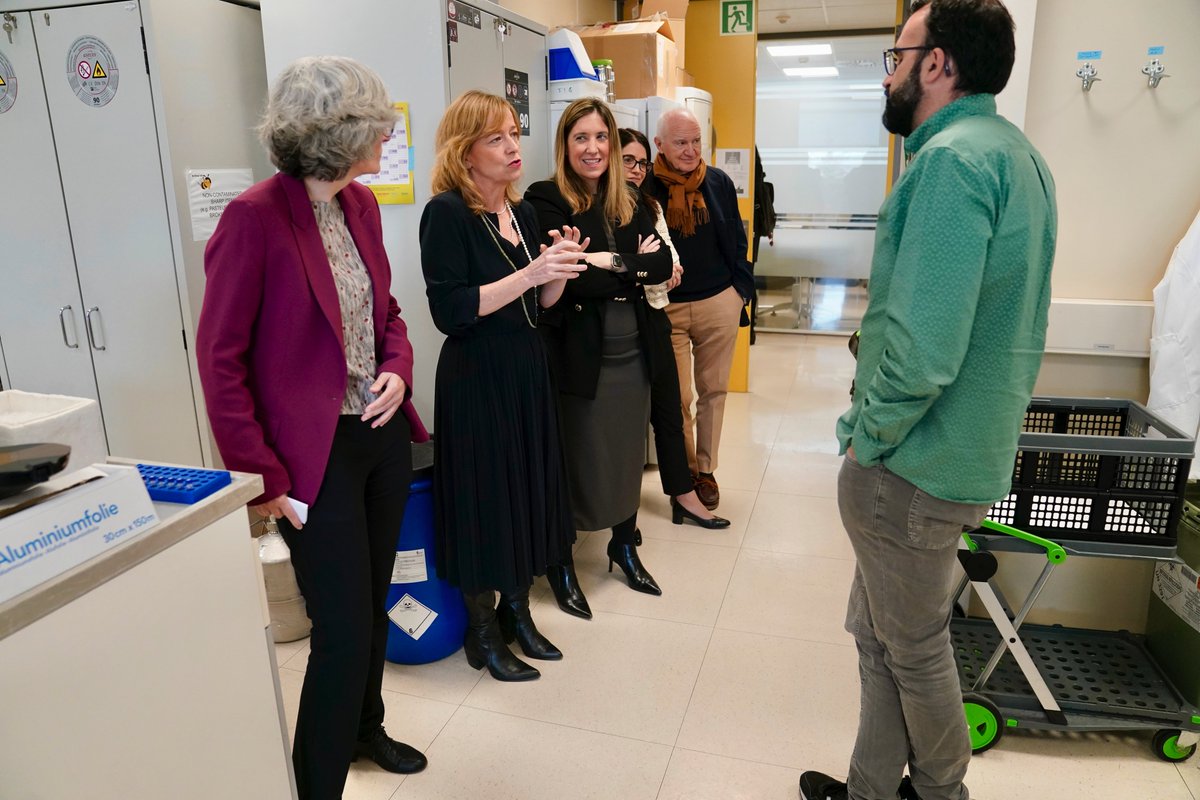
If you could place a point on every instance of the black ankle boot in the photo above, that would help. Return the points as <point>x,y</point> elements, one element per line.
<point>517,623</point>
<point>626,557</point>
<point>483,643</point>
<point>565,585</point>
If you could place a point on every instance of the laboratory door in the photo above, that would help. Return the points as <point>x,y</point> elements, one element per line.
<point>98,92</point>
<point>41,312</point>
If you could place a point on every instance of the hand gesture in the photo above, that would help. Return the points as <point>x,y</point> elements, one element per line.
<point>676,276</point>
<point>391,390</point>
<point>650,244</point>
<point>279,508</point>
<point>561,259</point>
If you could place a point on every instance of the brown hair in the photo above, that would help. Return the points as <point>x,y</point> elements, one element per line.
<point>619,202</point>
<point>469,118</point>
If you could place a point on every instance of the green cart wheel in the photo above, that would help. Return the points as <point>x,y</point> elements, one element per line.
<point>984,722</point>
<point>1166,746</point>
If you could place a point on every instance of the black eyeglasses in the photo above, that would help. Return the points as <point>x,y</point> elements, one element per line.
<point>639,163</point>
<point>889,56</point>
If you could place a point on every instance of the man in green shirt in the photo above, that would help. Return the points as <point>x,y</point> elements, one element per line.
<point>951,346</point>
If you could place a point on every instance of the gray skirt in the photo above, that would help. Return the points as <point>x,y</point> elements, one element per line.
<point>605,438</point>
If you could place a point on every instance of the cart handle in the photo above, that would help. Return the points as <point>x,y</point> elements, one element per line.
<point>1055,553</point>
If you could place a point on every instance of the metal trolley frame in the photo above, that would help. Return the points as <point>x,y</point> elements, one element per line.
<point>1053,677</point>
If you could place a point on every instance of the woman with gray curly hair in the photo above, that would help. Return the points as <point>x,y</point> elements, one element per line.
<point>307,374</point>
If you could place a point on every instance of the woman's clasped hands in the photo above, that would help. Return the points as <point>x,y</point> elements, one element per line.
<point>562,258</point>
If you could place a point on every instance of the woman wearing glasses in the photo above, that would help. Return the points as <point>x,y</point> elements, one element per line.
<point>665,415</point>
<point>600,337</point>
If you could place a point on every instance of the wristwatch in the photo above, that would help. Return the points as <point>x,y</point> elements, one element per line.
<point>617,265</point>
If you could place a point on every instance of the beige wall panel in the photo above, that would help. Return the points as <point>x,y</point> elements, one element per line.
<point>1124,156</point>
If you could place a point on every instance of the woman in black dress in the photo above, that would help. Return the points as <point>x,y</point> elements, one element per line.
<point>502,506</point>
<point>601,345</point>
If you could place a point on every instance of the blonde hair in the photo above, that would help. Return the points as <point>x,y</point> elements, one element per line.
<point>469,118</point>
<point>620,203</point>
<point>324,113</point>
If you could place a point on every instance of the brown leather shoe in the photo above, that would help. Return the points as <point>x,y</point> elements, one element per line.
<point>707,490</point>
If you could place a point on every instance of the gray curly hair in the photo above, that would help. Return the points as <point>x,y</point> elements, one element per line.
<point>324,113</point>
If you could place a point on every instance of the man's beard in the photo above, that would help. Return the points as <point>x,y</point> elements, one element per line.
<point>901,104</point>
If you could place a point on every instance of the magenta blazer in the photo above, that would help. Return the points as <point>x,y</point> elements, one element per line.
<point>269,342</point>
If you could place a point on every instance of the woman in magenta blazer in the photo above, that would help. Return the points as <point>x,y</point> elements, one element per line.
<point>307,372</point>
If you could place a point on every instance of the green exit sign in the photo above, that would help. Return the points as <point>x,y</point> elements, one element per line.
<point>737,17</point>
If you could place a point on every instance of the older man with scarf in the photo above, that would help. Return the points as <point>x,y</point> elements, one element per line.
<point>708,305</point>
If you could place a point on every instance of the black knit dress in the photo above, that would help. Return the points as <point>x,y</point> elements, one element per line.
<point>502,506</point>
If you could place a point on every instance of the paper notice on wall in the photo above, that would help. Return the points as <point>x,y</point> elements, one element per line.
<point>735,162</point>
<point>1178,586</point>
<point>409,567</point>
<point>393,184</point>
<point>209,191</point>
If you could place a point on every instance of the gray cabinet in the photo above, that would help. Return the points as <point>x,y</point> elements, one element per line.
<point>93,276</point>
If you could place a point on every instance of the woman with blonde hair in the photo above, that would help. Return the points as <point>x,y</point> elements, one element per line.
<point>502,507</point>
<point>600,336</point>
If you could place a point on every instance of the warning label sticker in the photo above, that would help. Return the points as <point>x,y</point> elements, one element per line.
<point>1178,586</point>
<point>411,616</point>
<point>92,71</point>
<point>8,84</point>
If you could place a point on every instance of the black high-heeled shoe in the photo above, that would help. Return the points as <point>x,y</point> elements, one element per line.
<point>565,585</point>
<point>626,557</point>
<point>679,514</point>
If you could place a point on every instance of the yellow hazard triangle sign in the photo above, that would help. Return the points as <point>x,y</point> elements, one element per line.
<point>98,71</point>
<point>2,83</point>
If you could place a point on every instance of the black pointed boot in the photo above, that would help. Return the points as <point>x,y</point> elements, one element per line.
<point>567,593</point>
<point>483,643</point>
<point>517,623</point>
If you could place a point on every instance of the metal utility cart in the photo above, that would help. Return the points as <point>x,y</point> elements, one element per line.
<point>1103,478</point>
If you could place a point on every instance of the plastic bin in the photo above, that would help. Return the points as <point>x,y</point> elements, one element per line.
<point>1174,642</point>
<point>28,418</point>
<point>428,617</point>
<point>1097,470</point>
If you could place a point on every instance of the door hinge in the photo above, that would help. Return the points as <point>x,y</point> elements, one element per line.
<point>145,55</point>
<point>183,333</point>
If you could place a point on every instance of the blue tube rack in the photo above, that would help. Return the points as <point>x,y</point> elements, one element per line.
<point>181,484</point>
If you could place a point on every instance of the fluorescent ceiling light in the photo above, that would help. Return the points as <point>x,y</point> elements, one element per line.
<point>811,72</point>
<point>780,50</point>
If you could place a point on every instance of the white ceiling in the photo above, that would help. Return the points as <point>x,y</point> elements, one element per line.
<point>858,58</point>
<point>825,15</point>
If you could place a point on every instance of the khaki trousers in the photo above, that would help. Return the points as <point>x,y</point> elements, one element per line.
<point>703,334</point>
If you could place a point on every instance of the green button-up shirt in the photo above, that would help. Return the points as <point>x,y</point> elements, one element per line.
<point>956,323</point>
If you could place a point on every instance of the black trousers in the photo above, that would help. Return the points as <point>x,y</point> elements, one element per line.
<point>666,414</point>
<point>343,559</point>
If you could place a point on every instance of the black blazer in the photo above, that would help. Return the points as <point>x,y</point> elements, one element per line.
<point>721,198</point>
<point>574,327</point>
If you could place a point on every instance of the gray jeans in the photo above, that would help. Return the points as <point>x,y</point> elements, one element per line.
<point>899,613</point>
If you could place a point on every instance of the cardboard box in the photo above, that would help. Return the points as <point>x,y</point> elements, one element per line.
<point>683,78</point>
<point>643,53</point>
<point>68,520</point>
<point>676,14</point>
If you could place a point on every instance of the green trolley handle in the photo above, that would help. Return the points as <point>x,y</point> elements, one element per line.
<point>1055,553</point>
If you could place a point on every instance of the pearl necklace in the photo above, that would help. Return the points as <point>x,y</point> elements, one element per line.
<point>490,226</point>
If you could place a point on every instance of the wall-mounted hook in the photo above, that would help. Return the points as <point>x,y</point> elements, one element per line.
<point>1088,74</point>
<point>1155,72</point>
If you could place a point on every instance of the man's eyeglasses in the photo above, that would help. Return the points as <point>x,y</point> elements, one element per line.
<point>890,62</point>
<point>635,163</point>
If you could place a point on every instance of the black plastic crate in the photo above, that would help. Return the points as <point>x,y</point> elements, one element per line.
<point>1097,470</point>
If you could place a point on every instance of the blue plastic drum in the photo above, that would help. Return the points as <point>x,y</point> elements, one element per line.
<point>428,618</point>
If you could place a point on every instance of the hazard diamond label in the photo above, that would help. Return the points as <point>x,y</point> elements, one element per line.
<point>412,616</point>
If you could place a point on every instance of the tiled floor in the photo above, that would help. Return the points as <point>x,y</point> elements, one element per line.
<point>736,679</point>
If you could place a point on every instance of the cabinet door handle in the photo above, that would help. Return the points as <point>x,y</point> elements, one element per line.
<point>62,323</point>
<point>91,333</point>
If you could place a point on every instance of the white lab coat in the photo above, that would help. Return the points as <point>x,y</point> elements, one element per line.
<point>1175,340</point>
